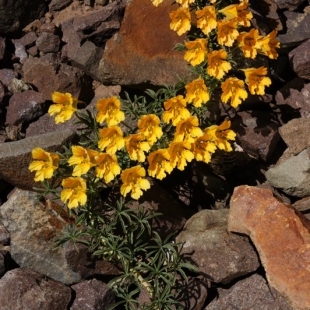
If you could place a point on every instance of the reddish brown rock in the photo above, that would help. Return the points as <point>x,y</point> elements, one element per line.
<point>281,237</point>
<point>23,288</point>
<point>295,134</point>
<point>300,59</point>
<point>48,42</point>
<point>149,53</point>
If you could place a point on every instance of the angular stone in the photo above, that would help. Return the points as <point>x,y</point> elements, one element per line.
<point>250,293</point>
<point>294,100</point>
<point>292,175</point>
<point>138,54</point>
<point>289,4</point>
<point>92,294</point>
<point>16,86</point>
<point>15,157</point>
<point>20,53</point>
<point>24,107</point>
<point>29,39</point>
<point>87,58</point>
<point>43,75</point>
<point>57,5</point>
<point>281,237</point>
<point>23,288</point>
<point>219,255</point>
<point>48,42</point>
<point>258,133</point>
<point>6,76</point>
<point>300,59</point>
<point>302,204</point>
<point>298,28</point>
<point>33,227</point>
<point>295,134</point>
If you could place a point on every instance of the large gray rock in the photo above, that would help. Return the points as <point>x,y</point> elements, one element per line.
<point>292,175</point>
<point>251,293</point>
<point>16,156</point>
<point>218,254</point>
<point>25,289</point>
<point>34,227</point>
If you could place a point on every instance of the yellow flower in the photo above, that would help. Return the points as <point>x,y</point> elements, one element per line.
<point>206,19</point>
<point>180,153</point>
<point>159,164</point>
<point>244,16</point>
<point>233,89</point>
<point>268,45</point>
<point>74,192</point>
<point>188,130</point>
<point>256,80</point>
<point>180,20</point>
<point>249,43</point>
<point>227,32</point>
<point>136,146</point>
<point>134,182</point>
<point>175,110</point>
<point>148,125</point>
<point>238,13</point>
<point>44,164</point>
<point>196,51</point>
<point>197,92</point>
<point>111,139</point>
<point>184,3</point>
<point>64,107</point>
<point>109,111</point>
<point>84,159</point>
<point>107,167</point>
<point>217,64</point>
<point>229,11</point>
<point>156,2</point>
<point>202,148</point>
<point>221,134</point>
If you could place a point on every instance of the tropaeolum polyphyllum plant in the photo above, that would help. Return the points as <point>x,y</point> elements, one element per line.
<point>125,142</point>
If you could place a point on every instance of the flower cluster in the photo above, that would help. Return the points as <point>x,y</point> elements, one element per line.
<point>217,32</point>
<point>175,133</point>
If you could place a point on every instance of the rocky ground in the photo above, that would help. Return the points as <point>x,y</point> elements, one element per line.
<point>244,217</point>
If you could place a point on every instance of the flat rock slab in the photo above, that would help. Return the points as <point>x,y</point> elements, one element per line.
<point>135,56</point>
<point>282,238</point>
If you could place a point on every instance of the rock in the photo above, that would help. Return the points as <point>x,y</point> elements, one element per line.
<point>20,53</point>
<point>295,135</point>
<point>282,239</point>
<point>16,14</point>
<point>298,29</point>
<point>300,59</point>
<point>92,294</point>
<point>33,227</point>
<point>6,76</point>
<point>4,236</point>
<point>133,50</point>
<point>57,5</point>
<point>17,86</point>
<point>257,133</point>
<point>87,58</point>
<point>292,175</point>
<point>250,293</point>
<point>219,255</point>
<point>302,204</point>
<point>24,107</point>
<point>289,4</point>
<point>294,100</point>
<point>48,42</point>
<point>43,75</point>
<point>27,40</point>
<point>15,157</point>
<point>22,289</point>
